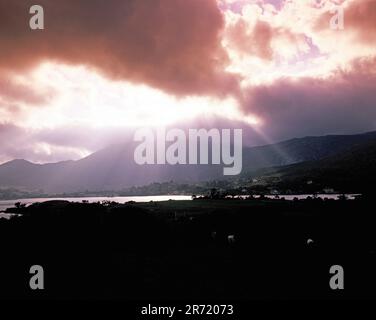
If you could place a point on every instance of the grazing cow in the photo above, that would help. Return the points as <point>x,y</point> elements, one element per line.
<point>231,239</point>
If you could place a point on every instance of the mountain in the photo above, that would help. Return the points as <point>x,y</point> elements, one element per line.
<point>302,149</point>
<point>113,168</point>
<point>352,170</point>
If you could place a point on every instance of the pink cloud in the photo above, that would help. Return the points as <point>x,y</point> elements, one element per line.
<point>342,103</point>
<point>173,45</point>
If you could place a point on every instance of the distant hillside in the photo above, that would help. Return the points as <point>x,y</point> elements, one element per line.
<point>352,170</point>
<point>113,168</point>
<point>301,150</point>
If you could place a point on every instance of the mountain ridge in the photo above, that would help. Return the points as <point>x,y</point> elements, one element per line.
<point>113,168</point>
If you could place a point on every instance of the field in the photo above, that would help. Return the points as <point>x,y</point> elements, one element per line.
<point>208,249</point>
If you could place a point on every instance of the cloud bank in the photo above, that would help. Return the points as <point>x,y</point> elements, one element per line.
<point>273,67</point>
<point>173,45</point>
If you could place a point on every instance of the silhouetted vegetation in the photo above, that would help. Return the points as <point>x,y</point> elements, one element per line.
<point>207,248</point>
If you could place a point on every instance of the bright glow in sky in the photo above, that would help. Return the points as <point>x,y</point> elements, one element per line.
<point>83,97</point>
<point>272,66</point>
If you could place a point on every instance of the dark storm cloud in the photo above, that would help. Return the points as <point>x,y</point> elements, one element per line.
<point>342,103</point>
<point>173,45</point>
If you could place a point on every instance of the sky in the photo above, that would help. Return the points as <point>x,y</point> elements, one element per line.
<point>100,69</point>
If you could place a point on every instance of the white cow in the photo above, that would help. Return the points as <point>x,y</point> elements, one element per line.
<point>231,239</point>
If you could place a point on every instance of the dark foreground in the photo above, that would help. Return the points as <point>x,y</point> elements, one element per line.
<point>201,249</point>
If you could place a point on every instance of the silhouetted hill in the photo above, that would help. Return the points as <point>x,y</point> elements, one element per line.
<point>114,168</point>
<point>352,170</point>
<point>302,149</point>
